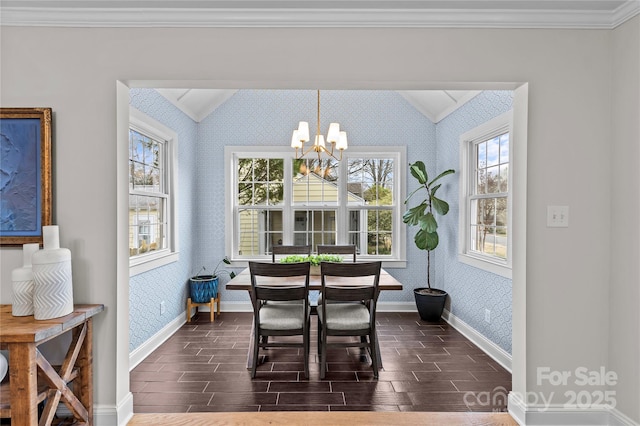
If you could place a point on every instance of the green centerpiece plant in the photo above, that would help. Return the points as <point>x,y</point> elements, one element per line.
<point>314,259</point>
<point>430,301</point>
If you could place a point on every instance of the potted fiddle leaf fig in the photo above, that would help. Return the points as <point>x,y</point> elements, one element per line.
<point>429,301</point>
<point>203,288</point>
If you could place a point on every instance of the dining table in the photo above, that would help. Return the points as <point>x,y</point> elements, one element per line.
<point>242,281</point>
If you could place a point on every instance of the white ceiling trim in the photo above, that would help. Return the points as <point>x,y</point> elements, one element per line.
<point>323,17</point>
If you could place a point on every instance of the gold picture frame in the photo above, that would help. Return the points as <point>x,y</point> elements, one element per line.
<point>25,181</point>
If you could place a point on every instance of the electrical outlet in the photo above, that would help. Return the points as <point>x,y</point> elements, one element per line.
<point>487,315</point>
<point>163,308</point>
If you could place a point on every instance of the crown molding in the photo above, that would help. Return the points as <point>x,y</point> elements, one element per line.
<point>315,18</point>
<point>626,11</point>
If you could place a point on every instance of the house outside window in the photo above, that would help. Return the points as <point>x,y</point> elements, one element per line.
<point>485,196</point>
<point>152,172</point>
<point>276,199</point>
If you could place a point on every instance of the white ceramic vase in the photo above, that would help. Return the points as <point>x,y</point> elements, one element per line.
<point>4,366</point>
<point>23,283</point>
<point>53,290</point>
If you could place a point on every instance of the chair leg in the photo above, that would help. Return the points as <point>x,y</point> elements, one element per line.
<point>256,347</point>
<point>374,353</point>
<point>323,357</point>
<point>319,338</point>
<point>189,310</point>
<point>307,338</point>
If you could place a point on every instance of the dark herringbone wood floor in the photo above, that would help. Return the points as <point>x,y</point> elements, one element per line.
<point>427,367</point>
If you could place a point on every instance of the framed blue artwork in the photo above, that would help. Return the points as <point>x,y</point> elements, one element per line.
<point>25,174</point>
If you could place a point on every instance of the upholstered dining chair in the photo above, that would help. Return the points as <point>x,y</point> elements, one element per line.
<point>349,249</point>
<point>343,284</point>
<point>285,250</point>
<point>280,282</point>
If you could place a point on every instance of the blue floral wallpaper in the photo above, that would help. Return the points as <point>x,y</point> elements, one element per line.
<point>167,283</point>
<point>267,117</point>
<point>471,290</point>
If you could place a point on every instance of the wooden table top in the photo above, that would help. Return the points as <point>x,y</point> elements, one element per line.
<point>29,330</point>
<point>242,281</point>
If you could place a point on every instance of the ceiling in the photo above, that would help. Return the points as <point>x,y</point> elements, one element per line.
<point>320,13</point>
<point>433,104</point>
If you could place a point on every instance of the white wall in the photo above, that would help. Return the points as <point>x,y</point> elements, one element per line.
<point>569,72</point>
<point>624,343</point>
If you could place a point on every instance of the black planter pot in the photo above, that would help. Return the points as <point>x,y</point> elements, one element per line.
<point>430,305</point>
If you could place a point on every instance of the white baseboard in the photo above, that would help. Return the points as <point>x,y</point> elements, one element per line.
<point>382,307</point>
<point>557,414</point>
<point>124,411</point>
<point>397,307</point>
<point>141,352</point>
<point>105,415</point>
<point>620,419</point>
<point>501,356</point>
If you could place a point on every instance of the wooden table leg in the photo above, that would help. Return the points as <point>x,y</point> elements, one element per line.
<point>84,386</point>
<point>24,384</point>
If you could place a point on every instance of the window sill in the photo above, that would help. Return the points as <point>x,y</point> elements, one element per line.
<point>147,263</point>
<point>387,264</point>
<point>487,265</point>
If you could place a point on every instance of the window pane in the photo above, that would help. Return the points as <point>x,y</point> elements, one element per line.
<point>481,155</point>
<point>315,181</point>
<point>245,193</point>
<point>146,223</point>
<point>379,243</point>
<point>501,212</point>
<point>371,229</point>
<point>504,178</point>
<point>260,181</point>
<point>259,230</point>
<point>493,151</point>
<point>138,175</point>
<point>504,148</point>
<point>314,227</point>
<point>486,211</point>
<point>493,180</point>
<point>260,193</point>
<point>492,165</point>
<point>276,170</point>
<point>489,229</point>
<point>245,170</point>
<point>147,213</point>
<point>370,181</point>
<point>481,181</point>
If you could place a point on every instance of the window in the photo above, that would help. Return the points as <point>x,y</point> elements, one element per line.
<point>152,241</point>
<point>278,199</point>
<point>485,196</point>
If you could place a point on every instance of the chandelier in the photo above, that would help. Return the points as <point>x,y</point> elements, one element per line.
<point>335,137</point>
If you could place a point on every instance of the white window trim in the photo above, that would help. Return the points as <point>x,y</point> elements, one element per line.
<point>147,125</point>
<point>398,258</point>
<point>493,127</point>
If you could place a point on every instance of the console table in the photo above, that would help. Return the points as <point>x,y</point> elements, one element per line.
<point>22,336</point>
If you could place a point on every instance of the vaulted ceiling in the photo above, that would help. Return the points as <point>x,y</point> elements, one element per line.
<point>433,104</point>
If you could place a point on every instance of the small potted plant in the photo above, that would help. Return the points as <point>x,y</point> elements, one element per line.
<point>429,301</point>
<point>314,259</point>
<point>203,288</point>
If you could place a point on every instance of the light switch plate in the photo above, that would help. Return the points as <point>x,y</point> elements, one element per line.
<point>557,216</point>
